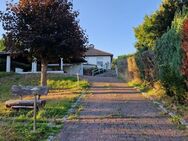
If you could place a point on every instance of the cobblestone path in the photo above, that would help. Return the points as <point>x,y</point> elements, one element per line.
<point>116,112</point>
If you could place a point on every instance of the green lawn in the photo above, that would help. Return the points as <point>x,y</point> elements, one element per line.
<point>17,126</point>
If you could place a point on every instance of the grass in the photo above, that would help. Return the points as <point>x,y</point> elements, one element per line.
<point>16,131</point>
<point>76,112</point>
<point>143,86</point>
<point>4,74</point>
<point>64,91</point>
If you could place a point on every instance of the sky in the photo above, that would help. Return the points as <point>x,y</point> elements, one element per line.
<point>109,23</point>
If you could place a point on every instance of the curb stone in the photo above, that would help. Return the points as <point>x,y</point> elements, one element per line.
<point>161,106</point>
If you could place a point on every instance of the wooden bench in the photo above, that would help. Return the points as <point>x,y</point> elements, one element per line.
<point>26,91</point>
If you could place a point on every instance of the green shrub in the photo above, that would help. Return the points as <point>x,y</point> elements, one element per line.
<point>169,61</point>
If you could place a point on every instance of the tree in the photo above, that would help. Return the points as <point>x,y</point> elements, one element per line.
<point>155,25</point>
<point>45,29</point>
<point>145,33</point>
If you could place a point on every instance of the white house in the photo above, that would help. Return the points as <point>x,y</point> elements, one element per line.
<point>93,57</point>
<point>23,66</point>
<point>99,58</point>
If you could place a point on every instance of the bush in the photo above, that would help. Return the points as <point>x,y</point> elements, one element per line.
<point>169,62</point>
<point>146,65</point>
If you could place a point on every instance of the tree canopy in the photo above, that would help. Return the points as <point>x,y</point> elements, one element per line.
<point>46,30</point>
<point>155,25</point>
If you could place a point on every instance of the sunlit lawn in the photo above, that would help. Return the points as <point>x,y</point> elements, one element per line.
<point>18,125</point>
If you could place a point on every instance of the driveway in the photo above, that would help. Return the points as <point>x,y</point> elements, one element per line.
<point>116,112</point>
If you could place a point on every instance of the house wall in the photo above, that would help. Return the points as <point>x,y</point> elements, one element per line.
<point>6,64</point>
<point>74,69</point>
<point>101,61</point>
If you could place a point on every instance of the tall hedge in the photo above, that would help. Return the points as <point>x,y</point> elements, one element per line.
<point>185,51</point>
<point>162,49</point>
<point>169,56</point>
<point>146,65</point>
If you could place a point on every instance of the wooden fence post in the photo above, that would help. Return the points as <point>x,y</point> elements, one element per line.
<point>35,112</point>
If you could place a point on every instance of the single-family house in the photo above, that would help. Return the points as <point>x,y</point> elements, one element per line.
<point>21,64</point>
<point>99,58</point>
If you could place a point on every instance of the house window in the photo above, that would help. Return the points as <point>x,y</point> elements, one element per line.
<point>100,63</point>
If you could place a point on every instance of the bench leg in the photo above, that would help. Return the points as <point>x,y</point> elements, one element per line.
<point>35,111</point>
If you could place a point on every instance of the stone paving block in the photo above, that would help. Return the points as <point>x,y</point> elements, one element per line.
<point>116,112</point>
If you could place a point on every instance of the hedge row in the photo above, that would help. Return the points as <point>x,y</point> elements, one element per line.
<point>167,62</point>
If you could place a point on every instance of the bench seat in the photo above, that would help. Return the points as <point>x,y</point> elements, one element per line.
<point>24,103</point>
<point>22,107</point>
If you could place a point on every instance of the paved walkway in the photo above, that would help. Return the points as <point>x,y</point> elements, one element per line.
<point>108,73</point>
<point>116,112</point>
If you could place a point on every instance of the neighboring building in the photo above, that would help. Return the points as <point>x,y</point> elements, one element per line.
<point>93,58</point>
<point>99,58</point>
<point>22,65</point>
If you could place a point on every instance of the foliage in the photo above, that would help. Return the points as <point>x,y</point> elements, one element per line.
<point>169,61</point>
<point>144,33</point>
<point>140,63</point>
<point>157,91</point>
<point>160,48</point>
<point>56,108</point>
<point>61,37</point>
<point>176,119</point>
<point>114,63</point>
<point>155,25</point>
<point>143,86</point>
<point>120,58</point>
<point>5,74</point>
<point>59,101</point>
<point>145,62</point>
<point>168,51</point>
<point>27,31</point>
<point>2,47</point>
<point>16,131</point>
<point>164,35</point>
<point>121,63</point>
<point>69,83</point>
<point>185,50</point>
<point>124,56</point>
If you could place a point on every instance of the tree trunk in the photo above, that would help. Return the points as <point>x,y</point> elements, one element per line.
<point>44,65</point>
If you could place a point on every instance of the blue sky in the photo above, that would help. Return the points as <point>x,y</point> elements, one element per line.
<point>109,23</point>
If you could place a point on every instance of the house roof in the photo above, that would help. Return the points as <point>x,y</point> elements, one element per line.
<point>96,52</point>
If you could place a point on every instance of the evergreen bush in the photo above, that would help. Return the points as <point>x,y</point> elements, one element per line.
<point>169,56</point>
